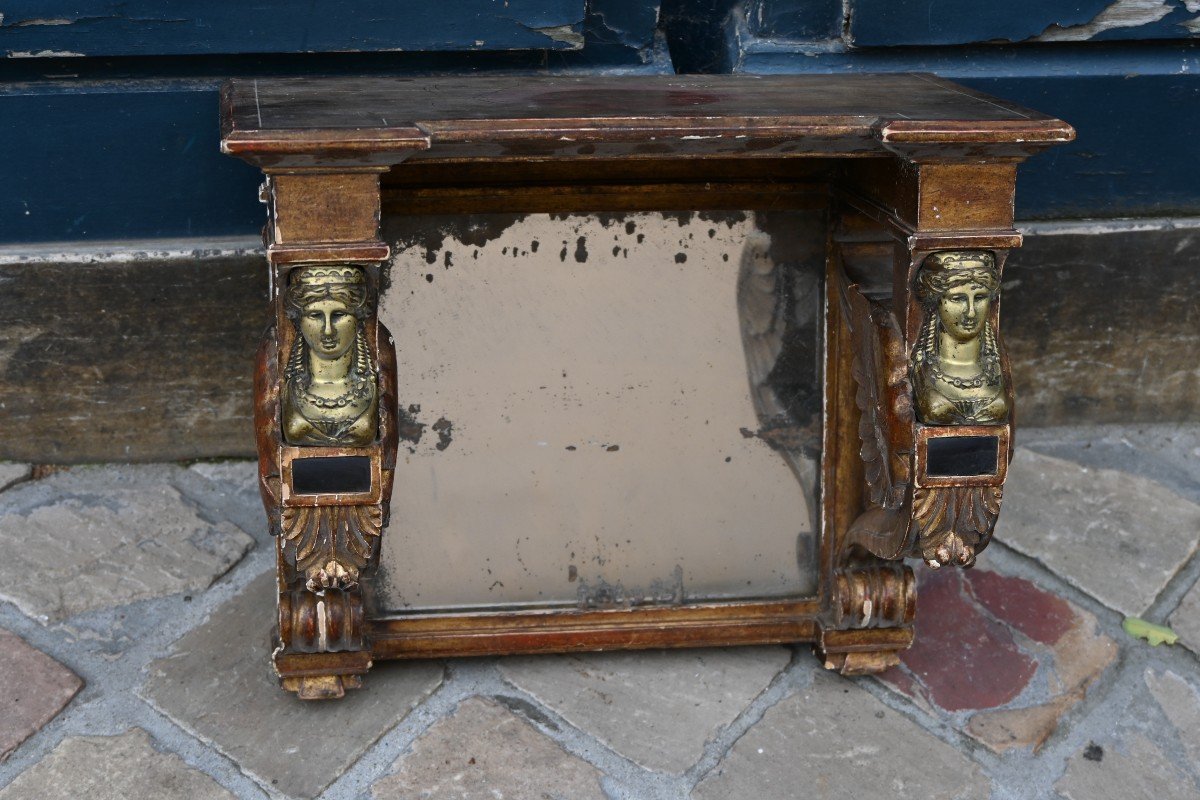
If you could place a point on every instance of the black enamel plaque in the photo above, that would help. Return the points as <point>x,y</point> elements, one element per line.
<point>960,456</point>
<point>331,475</point>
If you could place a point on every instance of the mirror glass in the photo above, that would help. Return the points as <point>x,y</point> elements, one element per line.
<point>604,410</point>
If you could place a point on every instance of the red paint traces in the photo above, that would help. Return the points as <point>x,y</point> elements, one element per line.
<point>1040,615</point>
<point>962,658</point>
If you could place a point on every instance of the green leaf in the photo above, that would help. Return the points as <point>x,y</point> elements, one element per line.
<point>1154,634</point>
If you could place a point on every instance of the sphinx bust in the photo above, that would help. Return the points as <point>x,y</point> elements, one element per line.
<point>330,394</point>
<point>956,374</point>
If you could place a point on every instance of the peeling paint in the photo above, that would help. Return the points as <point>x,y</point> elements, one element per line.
<point>45,54</point>
<point>1121,14</point>
<point>566,34</point>
<point>1091,227</point>
<point>937,22</point>
<point>632,23</point>
<point>886,23</point>
<point>145,28</point>
<point>174,251</point>
<point>33,22</point>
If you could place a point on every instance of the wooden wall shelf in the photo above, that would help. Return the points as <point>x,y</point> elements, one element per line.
<point>915,176</point>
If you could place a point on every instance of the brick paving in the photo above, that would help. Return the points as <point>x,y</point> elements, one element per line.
<point>73,529</point>
<point>1021,685</point>
<point>1039,653</point>
<point>484,749</point>
<point>33,689</point>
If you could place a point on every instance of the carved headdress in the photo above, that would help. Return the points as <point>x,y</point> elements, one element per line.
<point>953,267</point>
<point>346,284</point>
<point>941,272</point>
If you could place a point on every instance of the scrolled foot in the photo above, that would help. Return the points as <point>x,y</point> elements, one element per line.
<point>869,663</point>
<point>322,687</point>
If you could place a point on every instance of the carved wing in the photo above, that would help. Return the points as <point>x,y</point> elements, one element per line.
<point>884,399</point>
<point>389,431</point>
<point>266,426</point>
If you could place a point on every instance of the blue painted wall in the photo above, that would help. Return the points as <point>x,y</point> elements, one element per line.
<point>1135,104</point>
<point>127,147</point>
<point>117,160</point>
<point>892,23</point>
<point>889,23</point>
<point>188,27</point>
<point>814,21</point>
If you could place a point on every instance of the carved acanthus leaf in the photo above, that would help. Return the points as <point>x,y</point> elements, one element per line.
<point>331,545</point>
<point>955,523</point>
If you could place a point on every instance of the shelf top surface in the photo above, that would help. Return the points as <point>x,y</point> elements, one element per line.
<point>292,115</point>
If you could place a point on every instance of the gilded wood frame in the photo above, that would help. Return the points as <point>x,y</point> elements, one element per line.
<point>896,191</point>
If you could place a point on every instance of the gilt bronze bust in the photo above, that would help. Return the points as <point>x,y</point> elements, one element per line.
<point>330,393</point>
<point>956,374</point>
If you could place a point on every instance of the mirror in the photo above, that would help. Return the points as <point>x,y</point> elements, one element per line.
<point>604,410</point>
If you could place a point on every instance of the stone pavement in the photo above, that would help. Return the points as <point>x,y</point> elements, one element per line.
<point>152,680</point>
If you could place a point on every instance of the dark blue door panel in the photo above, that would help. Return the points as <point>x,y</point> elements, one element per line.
<point>116,163</point>
<point>1136,110</point>
<point>121,148</point>
<point>186,27</point>
<point>889,23</point>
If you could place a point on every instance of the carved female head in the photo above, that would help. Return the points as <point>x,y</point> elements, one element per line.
<point>326,304</point>
<point>958,289</point>
<point>961,285</point>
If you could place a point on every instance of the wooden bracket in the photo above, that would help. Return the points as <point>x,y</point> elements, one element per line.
<point>326,417</point>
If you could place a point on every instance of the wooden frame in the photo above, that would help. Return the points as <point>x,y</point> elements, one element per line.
<point>907,167</point>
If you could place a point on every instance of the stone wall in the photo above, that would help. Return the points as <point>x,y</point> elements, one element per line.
<point>143,351</point>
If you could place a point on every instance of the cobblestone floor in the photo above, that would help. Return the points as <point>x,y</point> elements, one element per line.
<point>150,678</point>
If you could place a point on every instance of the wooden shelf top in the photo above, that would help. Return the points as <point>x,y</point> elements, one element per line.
<point>379,121</point>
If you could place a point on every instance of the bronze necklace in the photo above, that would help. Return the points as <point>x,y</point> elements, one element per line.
<point>357,390</point>
<point>978,381</point>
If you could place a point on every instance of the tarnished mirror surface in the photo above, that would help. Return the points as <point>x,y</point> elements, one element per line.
<point>604,410</point>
